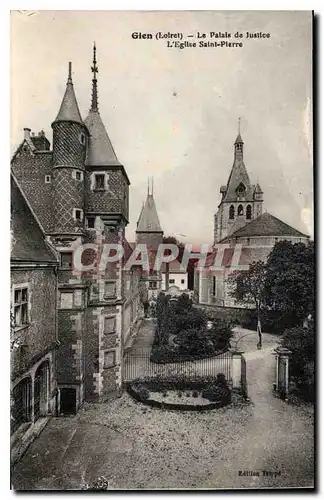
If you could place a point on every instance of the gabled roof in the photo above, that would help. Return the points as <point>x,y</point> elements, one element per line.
<point>266,225</point>
<point>100,149</point>
<point>28,242</point>
<point>69,110</point>
<point>149,220</point>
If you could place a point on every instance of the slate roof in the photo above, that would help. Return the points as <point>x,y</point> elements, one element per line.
<point>100,150</point>
<point>238,174</point>
<point>69,110</point>
<point>266,225</point>
<point>149,219</point>
<point>28,243</point>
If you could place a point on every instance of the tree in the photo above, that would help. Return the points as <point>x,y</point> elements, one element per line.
<point>289,284</point>
<point>248,288</point>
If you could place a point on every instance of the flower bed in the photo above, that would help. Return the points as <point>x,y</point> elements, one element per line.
<point>180,393</point>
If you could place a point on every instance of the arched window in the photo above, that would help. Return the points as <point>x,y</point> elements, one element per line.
<point>231,212</point>
<point>240,210</point>
<point>249,212</point>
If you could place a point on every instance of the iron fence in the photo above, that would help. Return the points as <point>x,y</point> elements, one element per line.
<point>137,364</point>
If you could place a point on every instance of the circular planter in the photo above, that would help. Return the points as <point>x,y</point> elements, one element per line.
<point>141,396</point>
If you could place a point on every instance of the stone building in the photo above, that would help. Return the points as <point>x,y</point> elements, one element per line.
<point>79,192</point>
<point>150,233</point>
<point>242,234</point>
<point>34,335</point>
<point>174,275</point>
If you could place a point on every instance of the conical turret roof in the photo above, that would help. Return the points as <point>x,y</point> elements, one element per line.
<point>149,220</point>
<point>100,149</point>
<point>69,110</point>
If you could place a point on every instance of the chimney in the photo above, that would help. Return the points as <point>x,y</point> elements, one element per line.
<point>27,134</point>
<point>40,141</point>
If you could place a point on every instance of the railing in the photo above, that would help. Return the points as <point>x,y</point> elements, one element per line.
<point>137,364</point>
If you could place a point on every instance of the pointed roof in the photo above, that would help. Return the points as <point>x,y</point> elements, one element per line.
<point>257,188</point>
<point>69,110</point>
<point>239,139</point>
<point>149,220</point>
<point>100,149</point>
<point>238,175</point>
<point>266,225</point>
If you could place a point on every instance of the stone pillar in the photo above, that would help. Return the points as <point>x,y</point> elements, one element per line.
<point>236,369</point>
<point>282,371</point>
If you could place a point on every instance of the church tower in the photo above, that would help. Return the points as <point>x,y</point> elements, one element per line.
<point>148,229</point>
<point>70,137</point>
<point>241,201</point>
<point>149,232</point>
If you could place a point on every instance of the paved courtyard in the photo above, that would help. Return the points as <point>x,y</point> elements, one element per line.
<point>136,447</point>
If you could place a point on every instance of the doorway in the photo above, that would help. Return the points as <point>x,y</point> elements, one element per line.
<point>68,401</point>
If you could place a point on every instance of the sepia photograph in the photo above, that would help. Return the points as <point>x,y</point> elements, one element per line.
<point>162,265</point>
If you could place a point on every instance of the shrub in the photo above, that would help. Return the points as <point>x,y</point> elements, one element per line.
<point>301,342</point>
<point>221,333</point>
<point>218,391</point>
<point>141,390</point>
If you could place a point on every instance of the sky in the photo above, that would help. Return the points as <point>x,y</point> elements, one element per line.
<point>173,114</point>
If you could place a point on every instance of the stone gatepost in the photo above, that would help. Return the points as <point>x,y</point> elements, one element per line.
<point>282,371</point>
<point>236,369</point>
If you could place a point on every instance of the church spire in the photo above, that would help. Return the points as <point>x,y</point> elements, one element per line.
<point>94,69</point>
<point>238,144</point>
<point>100,150</point>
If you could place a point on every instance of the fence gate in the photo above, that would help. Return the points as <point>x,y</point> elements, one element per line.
<point>243,377</point>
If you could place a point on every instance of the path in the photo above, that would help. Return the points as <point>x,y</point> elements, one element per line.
<point>279,438</point>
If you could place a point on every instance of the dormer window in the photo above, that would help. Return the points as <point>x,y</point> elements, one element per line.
<point>48,179</point>
<point>232,212</point>
<point>249,212</point>
<point>82,139</point>
<point>240,210</point>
